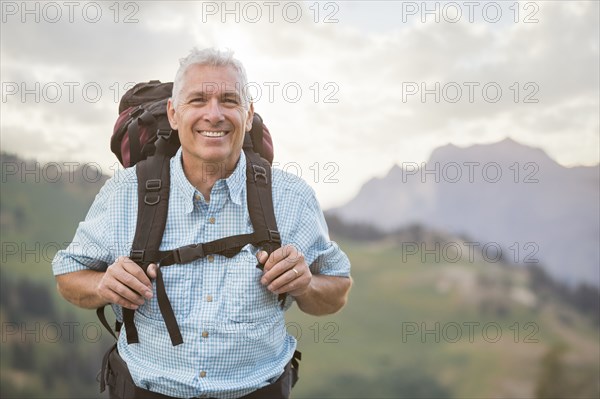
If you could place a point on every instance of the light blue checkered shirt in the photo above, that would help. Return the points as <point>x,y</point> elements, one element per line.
<point>235,340</point>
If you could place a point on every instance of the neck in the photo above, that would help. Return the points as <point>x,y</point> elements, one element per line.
<point>203,175</point>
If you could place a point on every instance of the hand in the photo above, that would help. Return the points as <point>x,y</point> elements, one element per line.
<point>285,271</point>
<point>125,283</point>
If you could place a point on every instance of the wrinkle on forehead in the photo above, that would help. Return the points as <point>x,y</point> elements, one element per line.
<point>209,80</point>
<point>228,82</point>
<point>199,71</point>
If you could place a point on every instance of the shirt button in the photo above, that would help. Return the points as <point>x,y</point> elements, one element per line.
<point>204,334</point>
<point>211,220</point>
<point>197,197</point>
<point>210,258</point>
<point>209,298</point>
<point>202,374</point>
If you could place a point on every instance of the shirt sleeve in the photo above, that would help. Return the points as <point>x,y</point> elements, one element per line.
<point>90,248</point>
<point>311,236</point>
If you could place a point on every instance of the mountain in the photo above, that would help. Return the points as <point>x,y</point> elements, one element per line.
<point>411,328</point>
<point>506,194</point>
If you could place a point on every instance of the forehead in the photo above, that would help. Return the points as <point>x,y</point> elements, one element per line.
<point>208,78</point>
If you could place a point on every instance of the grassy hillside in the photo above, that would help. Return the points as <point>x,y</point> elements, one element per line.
<point>410,329</point>
<point>49,347</point>
<point>406,333</point>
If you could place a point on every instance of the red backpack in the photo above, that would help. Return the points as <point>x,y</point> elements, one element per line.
<point>143,137</point>
<point>143,112</point>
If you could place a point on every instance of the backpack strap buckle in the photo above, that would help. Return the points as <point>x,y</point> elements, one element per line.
<point>274,236</point>
<point>137,111</point>
<point>137,255</point>
<point>259,172</point>
<point>164,133</point>
<point>188,253</point>
<point>153,184</point>
<point>151,199</point>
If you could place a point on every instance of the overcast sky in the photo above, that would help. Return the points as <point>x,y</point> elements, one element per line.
<point>339,84</point>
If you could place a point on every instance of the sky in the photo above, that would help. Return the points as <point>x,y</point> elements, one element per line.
<point>347,88</point>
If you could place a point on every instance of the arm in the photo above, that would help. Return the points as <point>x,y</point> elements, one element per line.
<point>286,271</point>
<point>325,295</point>
<point>323,287</point>
<point>79,288</point>
<point>81,271</point>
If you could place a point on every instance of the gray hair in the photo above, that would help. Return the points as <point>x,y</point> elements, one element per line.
<point>211,57</point>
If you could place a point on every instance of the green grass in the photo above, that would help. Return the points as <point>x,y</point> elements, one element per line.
<point>387,294</point>
<point>363,351</point>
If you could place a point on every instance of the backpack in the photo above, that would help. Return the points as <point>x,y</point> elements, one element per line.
<point>143,137</point>
<point>143,113</point>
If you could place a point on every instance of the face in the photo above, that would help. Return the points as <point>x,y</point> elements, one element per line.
<point>210,117</point>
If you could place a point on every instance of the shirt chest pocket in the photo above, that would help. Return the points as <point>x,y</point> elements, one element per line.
<point>178,285</point>
<point>246,299</point>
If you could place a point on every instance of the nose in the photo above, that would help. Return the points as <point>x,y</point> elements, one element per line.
<point>213,113</point>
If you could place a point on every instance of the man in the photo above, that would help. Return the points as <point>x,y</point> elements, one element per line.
<point>235,343</point>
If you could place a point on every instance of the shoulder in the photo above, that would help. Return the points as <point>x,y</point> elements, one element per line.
<point>122,184</point>
<point>289,184</point>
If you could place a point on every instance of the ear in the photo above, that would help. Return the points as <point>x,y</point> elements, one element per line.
<point>250,117</point>
<point>171,114</point>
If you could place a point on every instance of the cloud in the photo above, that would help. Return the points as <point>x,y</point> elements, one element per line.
<point>363,65</point>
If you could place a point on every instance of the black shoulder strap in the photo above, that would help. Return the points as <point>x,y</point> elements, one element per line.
<point>259,193</point>
<point>102,318</point>
<point>153,176</point>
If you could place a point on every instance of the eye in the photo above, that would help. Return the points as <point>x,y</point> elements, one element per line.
<point>230,99</point>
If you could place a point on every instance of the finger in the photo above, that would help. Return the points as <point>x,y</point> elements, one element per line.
<point>285,278</point>
<point>135,270</point>
<point>125,302</point>
<point>288,253</point>
<point>124,290</point>
<point>282,267</point>
<point>262,256</point>
<point>126,285</point>
<point>295,287</point>
<point>115,292</point>
<point>131,274</point>
<point>152,270</point>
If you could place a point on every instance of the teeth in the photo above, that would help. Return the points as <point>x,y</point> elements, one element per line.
<point>207,133</point>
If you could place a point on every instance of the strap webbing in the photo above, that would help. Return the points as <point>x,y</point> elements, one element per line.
<point>153,202</point>
<point>135,148</point>
<point>153,194</point>
<point>228,246</point>
<point>260,198</point>
<point>102,317</point>
<point>164,304</point>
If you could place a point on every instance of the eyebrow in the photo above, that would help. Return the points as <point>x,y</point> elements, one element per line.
<point>226,93</point>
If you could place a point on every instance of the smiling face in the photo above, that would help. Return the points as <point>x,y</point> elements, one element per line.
<point>210,116</point>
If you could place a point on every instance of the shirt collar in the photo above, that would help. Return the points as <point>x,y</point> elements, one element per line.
<point>234,183</point>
